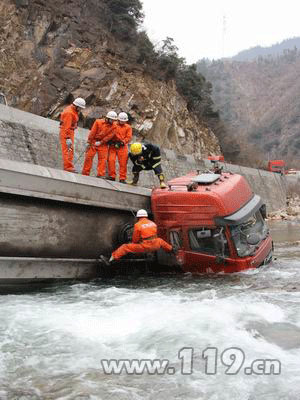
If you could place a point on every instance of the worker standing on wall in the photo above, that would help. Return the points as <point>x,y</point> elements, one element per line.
<point>217,169</point>
<point>3,99</point>
<point>102,132</point>
<point>146,157</point>
<point>68,123</point>
<point>144,240</point>
<point>118,148</point>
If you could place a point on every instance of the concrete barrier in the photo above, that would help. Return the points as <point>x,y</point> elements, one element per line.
<point>293,184</point>
<point>34,139</point>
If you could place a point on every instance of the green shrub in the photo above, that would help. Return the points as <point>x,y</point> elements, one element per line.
<point>122,17</point>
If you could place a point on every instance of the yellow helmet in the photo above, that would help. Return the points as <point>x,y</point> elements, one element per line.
<point>136,148</point>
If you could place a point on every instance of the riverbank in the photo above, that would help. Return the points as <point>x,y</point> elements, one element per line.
<point>290,213</point>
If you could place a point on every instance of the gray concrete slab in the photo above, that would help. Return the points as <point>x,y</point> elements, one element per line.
<point>16,271</point>
<point>10,114</point>
<point>48,183</point>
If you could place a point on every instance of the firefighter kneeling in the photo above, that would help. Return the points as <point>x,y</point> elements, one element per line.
<point>144,240</point>
<point>146,157</point>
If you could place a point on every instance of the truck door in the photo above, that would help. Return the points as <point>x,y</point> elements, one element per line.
<point>205,247</point>
<point>175,239</point>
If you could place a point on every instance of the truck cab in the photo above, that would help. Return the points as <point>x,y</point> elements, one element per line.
<point>214,221</point>
<point>277,166</point>
<point>216,158</point>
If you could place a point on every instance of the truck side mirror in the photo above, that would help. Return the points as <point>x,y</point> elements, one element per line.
<point>219,243</point>
<point>263,211</point>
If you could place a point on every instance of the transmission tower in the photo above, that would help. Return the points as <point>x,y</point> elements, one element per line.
<point>224,27</point>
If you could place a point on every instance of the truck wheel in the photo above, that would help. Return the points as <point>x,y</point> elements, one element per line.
<point>125,233</point>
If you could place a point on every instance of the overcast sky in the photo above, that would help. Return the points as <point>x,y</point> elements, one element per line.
<point>199,31</point>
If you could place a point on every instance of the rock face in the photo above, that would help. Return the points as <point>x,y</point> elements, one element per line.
<point>54,51</point>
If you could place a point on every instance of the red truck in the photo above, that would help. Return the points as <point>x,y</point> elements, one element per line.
<point>276,166</point>
<point>216,158</point>
<point>215,221</point>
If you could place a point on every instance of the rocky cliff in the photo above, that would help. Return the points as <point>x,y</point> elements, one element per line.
<point>52,51</point>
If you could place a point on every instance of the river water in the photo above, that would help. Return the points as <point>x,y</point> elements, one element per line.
<point>52,341</point>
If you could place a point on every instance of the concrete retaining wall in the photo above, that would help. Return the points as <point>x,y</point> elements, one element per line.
<point>30,138</point>
<point>46,212</point>
<point>293,184</point>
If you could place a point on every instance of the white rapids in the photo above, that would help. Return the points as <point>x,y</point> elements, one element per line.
<point>52,341</point>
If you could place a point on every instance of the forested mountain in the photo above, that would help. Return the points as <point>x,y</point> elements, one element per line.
<point>259,101</point>
<point>274,50</point>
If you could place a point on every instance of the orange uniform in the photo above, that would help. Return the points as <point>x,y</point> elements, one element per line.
<point>102,131</point>
<point>68,123</point>
<point>144,240</point>
<point>119,149</point>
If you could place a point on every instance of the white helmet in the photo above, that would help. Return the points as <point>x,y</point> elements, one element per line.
<point>112,115</point>
<point>79,102</point>
<point>142,213</point>
<point>123,117</point>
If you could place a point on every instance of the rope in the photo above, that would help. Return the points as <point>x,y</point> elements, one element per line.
<point>79,157</point>
<point>110,182</point>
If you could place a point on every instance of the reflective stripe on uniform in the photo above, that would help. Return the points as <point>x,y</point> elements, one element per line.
<point>149,225</point>
<point>156,158</point>
<point>139,164</point>
<point>155,165</point>
<point>150,237</point>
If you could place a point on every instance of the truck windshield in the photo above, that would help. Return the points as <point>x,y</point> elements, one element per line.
<point>209,241</point>
<point>240,233</point>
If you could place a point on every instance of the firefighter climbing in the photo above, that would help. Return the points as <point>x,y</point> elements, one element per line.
<point>144,240</point>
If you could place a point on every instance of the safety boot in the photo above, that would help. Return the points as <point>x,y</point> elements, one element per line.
<point>162,181</point>
<point>104,260</point>
<point>174,250</point>
<point>134,180</point>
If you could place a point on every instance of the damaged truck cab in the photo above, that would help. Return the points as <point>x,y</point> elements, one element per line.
<point>215,221</point>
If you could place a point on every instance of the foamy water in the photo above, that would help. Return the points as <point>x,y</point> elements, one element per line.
<point>52,341</point>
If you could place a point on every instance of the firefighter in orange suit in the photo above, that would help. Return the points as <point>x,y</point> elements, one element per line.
<point>144,239</point>
<point>118,148</point>
<point>102,131</point>
<point>68,123</point>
